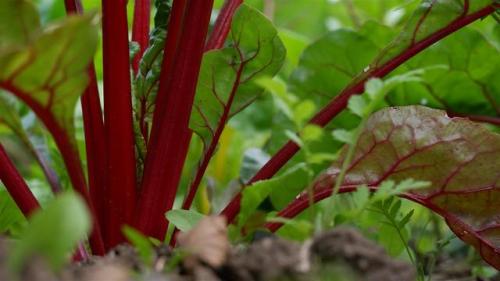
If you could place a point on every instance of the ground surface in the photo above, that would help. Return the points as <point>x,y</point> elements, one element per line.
<point>339,255</point>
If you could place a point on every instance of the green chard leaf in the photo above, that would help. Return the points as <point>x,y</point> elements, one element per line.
<point>467,84</point>
<point>466,81</point>
<point>46,68</point>
<point>19,21</point>
<point>145,84</point>
<point>330,64</point>
<point>227,79</point>
<point>429,17</point>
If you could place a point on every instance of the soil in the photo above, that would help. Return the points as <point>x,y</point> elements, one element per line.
<point>342,254</point>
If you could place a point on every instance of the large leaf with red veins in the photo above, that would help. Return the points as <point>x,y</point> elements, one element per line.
<point>226,84</point>
<point>460,158</point>
<point>227,78</point>
<point>46,68</point>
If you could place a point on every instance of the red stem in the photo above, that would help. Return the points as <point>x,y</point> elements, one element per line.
<point>73,6</point>
<point>119,136</point>
<point>302,203</point>
<point>70,156</point>
<point>16,186</point>
<point>94,133</point>
<point>478,118</point>
<point>215,41</point>
<point>95,146</point>
<point>340,102</point>
<point>222,25</point>
<point>175,29</point>
<point>140,29</point>
<point>168,146</point>
<point>80,254</point>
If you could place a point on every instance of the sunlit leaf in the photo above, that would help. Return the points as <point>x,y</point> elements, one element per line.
<point>19,21</point>
<point>47,68</point>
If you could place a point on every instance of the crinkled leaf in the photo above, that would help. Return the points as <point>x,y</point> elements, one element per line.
<point>53,233</point>
<point>227,79</point>
<point>429,17</point>
<point>46,68</point>
<point>460,158</point>
<point>145,85</point>
<point>468,85</point>
<point>461,74</point>
<point>343,57</point>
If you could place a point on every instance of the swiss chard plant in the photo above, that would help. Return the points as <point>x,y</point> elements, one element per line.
<point>423,104</point>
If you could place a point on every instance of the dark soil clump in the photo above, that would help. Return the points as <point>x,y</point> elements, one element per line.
<point>366,259</point>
